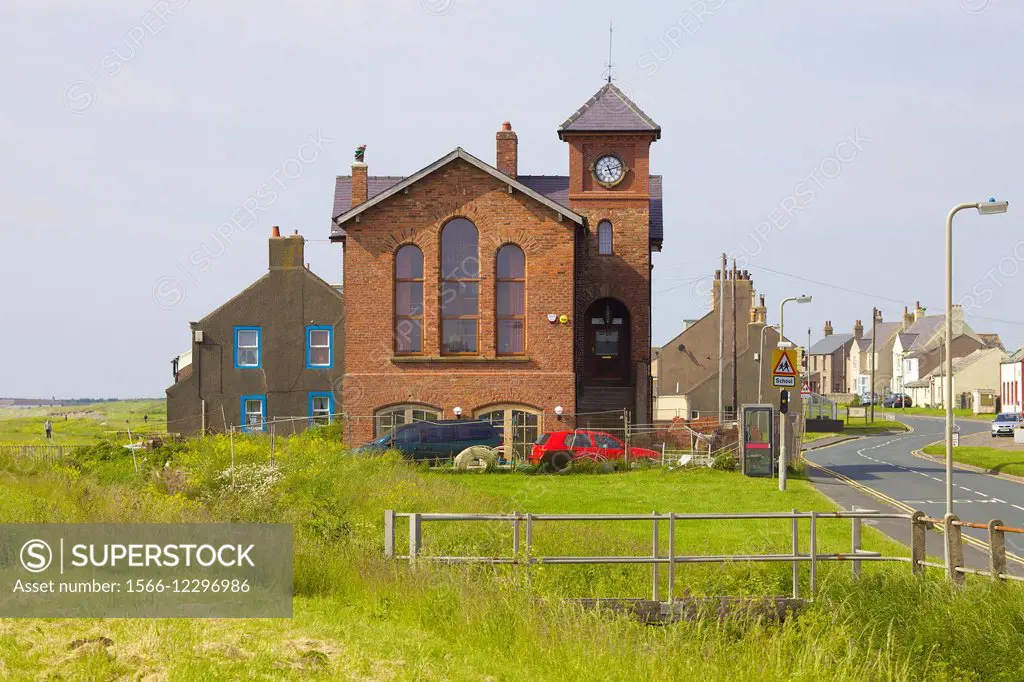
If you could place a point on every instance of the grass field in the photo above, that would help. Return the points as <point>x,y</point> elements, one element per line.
<point>932,412</point>
<point>85,424</point>
<point>358,616</point>
<point>993,459</point>
<point>857,428</point>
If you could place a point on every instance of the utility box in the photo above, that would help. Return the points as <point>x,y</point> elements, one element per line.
<point>758,442</point>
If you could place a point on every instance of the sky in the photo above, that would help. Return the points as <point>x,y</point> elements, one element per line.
<point>820,143</point>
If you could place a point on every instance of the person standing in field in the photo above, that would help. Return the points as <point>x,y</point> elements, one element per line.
<point>48,427</point>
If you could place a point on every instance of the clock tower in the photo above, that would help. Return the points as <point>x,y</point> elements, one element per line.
<point>610,184</point>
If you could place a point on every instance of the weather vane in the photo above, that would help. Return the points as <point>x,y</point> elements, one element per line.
<point>610,64</point>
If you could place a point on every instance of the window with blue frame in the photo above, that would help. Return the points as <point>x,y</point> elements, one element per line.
<point>254,413</point>
<point>319,347</point>
<point>321,408</point>
<point>247,347</point>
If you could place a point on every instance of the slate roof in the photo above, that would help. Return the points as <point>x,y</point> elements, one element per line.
<point>1016,356</point>
<point>830,344</point>
<point>883,332</point>
<point>554,187</point>
<point>961,363</point>
<point>609,110</point>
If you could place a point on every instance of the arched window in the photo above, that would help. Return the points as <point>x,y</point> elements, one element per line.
<point>604,238</point>
<point>460,285</point>
<point>389,418</point>
<point>408,300</point>
<point>511,300</point>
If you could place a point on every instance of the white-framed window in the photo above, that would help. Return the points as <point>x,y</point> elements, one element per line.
<point>321,408</point>
<point>247,347</point>
<point>319,347</point>
<point>254,413</point>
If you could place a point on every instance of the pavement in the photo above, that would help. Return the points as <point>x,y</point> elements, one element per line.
<point>881,472</point>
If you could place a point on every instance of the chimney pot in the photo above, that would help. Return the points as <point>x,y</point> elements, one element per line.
<point>275,231</point>
<point>506,125</point>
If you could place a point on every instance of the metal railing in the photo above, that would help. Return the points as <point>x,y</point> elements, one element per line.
<point>522,526</point>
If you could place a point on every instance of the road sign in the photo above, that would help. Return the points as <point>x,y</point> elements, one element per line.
<point>784,367</point>
<point>805,389</point>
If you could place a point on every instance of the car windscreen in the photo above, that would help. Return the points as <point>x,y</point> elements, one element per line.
<point>1007,417</point>
<point>543,439</point>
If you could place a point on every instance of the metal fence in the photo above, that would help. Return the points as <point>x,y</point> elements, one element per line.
<point>522,546</point>
<point>522,526</point>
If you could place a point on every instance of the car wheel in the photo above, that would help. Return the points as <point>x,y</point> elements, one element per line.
<point>556,461</point>
<point>475,458</point>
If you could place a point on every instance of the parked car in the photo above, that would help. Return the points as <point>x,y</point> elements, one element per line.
<point>438,441</point>
<point>898,400</point>
<point>1005,423</point>
<point>556,450</point>
<point>869,399</point>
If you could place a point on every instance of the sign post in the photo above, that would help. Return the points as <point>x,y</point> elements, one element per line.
<point>783,376</point>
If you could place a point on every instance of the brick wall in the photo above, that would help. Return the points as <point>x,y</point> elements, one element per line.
<point>375,378</point>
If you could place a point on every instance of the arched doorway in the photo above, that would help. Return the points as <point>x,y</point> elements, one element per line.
<point>606,344</point>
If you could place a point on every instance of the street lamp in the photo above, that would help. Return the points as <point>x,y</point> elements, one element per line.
<point>782,309</point>
<point>990,207</point>
<point>782,422</point>
<point>760,360</point>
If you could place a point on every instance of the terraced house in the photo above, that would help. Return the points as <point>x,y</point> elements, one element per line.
<point>472,290</point>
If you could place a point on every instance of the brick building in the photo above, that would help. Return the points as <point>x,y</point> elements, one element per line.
<point>470,289</point>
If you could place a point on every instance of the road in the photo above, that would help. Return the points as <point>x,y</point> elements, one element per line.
<point>885,465</point>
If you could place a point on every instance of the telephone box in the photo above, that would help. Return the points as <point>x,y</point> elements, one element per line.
<point>759,452</point>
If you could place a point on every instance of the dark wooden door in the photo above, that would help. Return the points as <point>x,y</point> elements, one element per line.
<point>607,344</point>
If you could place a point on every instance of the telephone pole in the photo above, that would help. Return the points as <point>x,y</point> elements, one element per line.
<point>735,398</point>
<point>874,339</point>
<point>721,341</point>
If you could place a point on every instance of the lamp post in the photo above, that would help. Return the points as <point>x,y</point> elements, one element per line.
<point>760,360</point>
<point>990,207</point>
<point>782,421</point>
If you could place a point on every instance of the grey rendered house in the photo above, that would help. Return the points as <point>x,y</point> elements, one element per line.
<point>272,351</point>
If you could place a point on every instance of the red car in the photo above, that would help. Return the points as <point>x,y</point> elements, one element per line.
<point>555,450</point>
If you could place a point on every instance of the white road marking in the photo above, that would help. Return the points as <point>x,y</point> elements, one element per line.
<point>1017,506</point>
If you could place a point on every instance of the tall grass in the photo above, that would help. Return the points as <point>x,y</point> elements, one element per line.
<point>359,616</point>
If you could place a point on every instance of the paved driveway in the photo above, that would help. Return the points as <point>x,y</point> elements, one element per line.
<point>885,464</point>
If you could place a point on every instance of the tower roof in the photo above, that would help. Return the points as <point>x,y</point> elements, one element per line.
<point>608,111</point>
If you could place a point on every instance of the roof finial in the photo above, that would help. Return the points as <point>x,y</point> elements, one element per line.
<point>610,64</point>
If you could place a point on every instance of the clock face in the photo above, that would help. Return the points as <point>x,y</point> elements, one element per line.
<point>609,169</point>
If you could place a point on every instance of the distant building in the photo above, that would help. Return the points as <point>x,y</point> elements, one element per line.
<point>976,372</point>
<point>274,350</point>
<point>828,360</point>
<point>920,346</point>
<point>688,364</point>
<point>1011,383</point>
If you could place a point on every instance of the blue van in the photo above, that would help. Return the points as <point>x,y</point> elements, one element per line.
<point>438,441</point>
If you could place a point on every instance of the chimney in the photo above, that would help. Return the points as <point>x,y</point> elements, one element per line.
<point>828,327</point>
<point>286,252</point>
<point>360,187</point>
<point>958,321</point>
<point>508,150</point>
<point>759,315</point>
<point>858,330</point>
<point>908,318</point>
<point>918,311</point>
